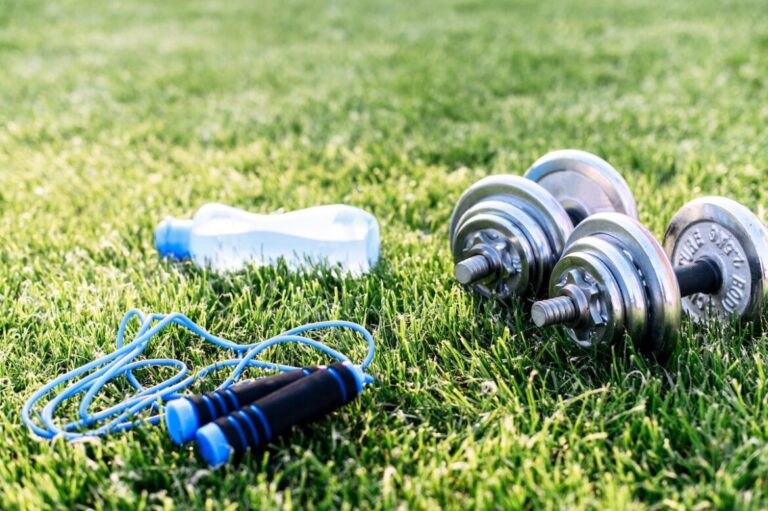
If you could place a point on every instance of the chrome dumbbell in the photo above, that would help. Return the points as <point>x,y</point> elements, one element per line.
<point>507,232</point>
<point>615,278</point>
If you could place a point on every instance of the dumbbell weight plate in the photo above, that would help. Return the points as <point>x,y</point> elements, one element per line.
<point>498,238</point>
<point>633,298</point>
<point>524,248</point>
<point>604,313</point>
<point>653,267</point>
<point>728,233</point>
<point>523,193</point>
<point>583,182</point>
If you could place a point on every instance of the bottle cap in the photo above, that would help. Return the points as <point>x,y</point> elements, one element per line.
<point>172,237</point>
<point>213,445</point>
<point>181,420</point>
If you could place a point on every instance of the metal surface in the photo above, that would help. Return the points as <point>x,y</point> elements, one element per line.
<point>517,228</point>
<point>561,309</point>
<point>583,183</point>
<point>629,283</point>
<point>589,283</point>
<point>727,233</point>
<point>703,276</point>
<point>520,191</point>
<point>505,246</point>
<point>473,269</point>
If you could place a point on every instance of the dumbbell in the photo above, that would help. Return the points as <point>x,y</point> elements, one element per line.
<point>615,278</point>
<point>507,232</point>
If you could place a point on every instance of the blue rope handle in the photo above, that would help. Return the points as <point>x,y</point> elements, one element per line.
<point>89,379</point>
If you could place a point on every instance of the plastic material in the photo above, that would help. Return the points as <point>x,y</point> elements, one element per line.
<point>226,239</point>
<point>357,373</point>
<point>81,387</point>
<point>183,417</point>
<point>253,426</point>
<point>213,445</point>
<point>181,420</point>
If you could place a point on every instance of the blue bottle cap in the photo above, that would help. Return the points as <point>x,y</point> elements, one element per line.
<point>213,445</point>
<point>172,237</point>
<point>181,420</point>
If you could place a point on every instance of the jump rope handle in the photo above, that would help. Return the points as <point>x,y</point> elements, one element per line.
<point>184,416</point>
<point>253,426</point>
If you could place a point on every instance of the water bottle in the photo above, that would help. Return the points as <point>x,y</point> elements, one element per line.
<point>224,238</point>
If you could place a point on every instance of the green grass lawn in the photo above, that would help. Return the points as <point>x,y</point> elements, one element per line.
<point>116,114</point>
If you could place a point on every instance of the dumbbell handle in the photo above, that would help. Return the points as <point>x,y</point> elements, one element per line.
<point>576,214</point>
<point>703,276</point>
<point>253,426</point>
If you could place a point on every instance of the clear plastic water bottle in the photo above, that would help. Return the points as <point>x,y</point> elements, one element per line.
<point>226,239</point>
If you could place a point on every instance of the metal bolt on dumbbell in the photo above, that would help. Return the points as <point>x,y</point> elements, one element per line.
<point>507,232</point>
<point>615,278</point>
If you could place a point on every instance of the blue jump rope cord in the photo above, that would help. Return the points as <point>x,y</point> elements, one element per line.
<point>91,378</point>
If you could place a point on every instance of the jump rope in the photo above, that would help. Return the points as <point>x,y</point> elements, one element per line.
<point>234,418</point>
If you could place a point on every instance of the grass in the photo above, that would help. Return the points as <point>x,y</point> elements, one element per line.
<point>116,114</point>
